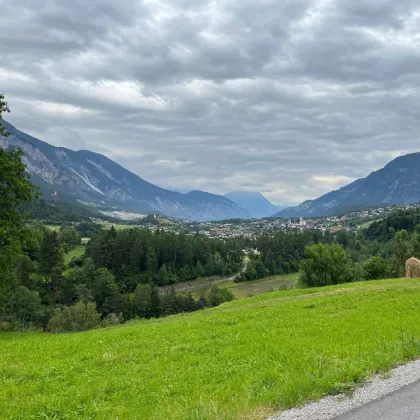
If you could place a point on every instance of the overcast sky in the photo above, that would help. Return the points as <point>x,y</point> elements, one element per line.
<point>292,98</point>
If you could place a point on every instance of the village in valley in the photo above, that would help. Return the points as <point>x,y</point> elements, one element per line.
<point>351,222</point>
<point>252,228</point>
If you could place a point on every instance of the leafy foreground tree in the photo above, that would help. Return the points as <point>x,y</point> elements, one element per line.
<point>15,189</point>
<point>3,108</point>
<point>325,265</point>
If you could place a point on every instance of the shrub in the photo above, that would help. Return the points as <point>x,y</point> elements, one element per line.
<point>80,317</point>
<point>217,296</point>
<point>5,326</point>
<point>324,265</point>
<point>112,319</point>
<point>377,268</point>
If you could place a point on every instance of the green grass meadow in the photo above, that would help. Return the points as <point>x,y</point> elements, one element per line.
<point>268,284</point>
<point>76,252</point>
<point>243,360</point>
<point>247,289</point>
<point>53,227</point>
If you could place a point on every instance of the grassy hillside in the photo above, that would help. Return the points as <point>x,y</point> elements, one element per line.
<point>244,359</point>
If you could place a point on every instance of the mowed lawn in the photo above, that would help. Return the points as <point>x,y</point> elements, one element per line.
<point>242,360</point>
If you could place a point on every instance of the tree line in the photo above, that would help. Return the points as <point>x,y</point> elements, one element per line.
<point>378,252</point>
<point>354,258</point>
<point>139,256</point>
<point>97,288</point>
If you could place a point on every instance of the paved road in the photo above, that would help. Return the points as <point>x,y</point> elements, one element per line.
<point>403,404</point>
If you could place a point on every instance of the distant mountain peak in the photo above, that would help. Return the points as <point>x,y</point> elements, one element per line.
<point>91,177</point>
<point>254,203</point>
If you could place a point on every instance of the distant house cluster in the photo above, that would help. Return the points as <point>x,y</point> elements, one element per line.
<point>350,222</point>
<point>252,228</point>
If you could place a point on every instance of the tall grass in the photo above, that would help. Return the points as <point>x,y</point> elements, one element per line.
<point>244,359</point>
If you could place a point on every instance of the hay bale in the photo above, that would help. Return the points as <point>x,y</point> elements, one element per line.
<point>412,268</point>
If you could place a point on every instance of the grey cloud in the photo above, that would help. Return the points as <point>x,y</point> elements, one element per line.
<point>269,95</point>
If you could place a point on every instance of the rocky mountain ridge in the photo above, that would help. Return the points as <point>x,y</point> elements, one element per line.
<point>91,177</point>
<point>398,182</point>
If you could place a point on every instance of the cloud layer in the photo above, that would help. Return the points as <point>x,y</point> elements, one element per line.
<point>288,97</point>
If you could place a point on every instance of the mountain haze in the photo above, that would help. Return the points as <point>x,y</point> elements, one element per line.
<point>254,203</point>
<point>397,183</point>
<point>87,176</point>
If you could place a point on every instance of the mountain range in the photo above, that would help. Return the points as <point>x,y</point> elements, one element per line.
<point>254,203</point>
<point>90,177</point>
<point>396,183</point>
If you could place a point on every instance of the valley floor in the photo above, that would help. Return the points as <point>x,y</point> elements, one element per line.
<point>245,359</point>
<point>240,290</point>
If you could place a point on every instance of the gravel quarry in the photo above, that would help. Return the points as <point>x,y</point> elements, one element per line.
<point>333,407</point>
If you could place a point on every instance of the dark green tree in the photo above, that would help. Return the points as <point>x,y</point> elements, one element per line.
<point>24,269</point>
<point>15,189</point>
<point>169,304</point>
<point>154,302</point>
<point>325,265</point>
<point>106,293</point>
<point>400,246</point>
<point>415,242</point>
<point>51,256</point>
<point>24,307</point>
<point>162,276</point>
<point>270,263</point>
<point>143,301</point>
<point>83,293</point>
<point>199,270</point>
<point>376,267</point>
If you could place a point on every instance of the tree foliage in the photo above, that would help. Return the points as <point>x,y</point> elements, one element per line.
<point>79,317</point>
<point>325,265</point>
<point>377,267</point>
<point>24,308</point>
<point>15,189</point>
<point>139,256</point>
<point>3,108</point>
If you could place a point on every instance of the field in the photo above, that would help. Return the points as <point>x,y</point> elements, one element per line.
<point>245,359</point>
<point>370,222</point>
<point>76,252</point>
<point>108,225</point>
<point>53,227</point>
<point>257,287</point>
<point>240,290</point>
